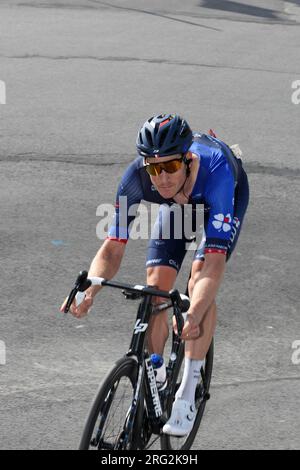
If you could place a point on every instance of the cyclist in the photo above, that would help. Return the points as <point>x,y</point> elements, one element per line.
<point>176,166</point>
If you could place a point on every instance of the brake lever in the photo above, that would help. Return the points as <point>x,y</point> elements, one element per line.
<point>181,304</point>
<point>82,284</point>
<point>70,300</point>
<point>179,320</point>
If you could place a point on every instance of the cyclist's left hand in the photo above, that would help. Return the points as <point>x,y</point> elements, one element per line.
<point>191,329</point>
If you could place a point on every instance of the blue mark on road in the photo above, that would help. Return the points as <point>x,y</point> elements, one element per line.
<point>58,242</point>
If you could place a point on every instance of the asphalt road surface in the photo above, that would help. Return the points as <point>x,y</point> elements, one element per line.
<point>81,77</point>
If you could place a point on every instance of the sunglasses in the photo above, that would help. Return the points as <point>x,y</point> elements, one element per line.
<point>155,169</point>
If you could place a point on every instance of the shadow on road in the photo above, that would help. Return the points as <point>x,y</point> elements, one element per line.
<point>237,7</point>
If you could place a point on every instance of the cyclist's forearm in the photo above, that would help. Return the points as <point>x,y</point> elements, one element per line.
<point>106,263</point>
<point>204,293</point>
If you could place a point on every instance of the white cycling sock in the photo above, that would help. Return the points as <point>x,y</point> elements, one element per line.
<point>191,376</point>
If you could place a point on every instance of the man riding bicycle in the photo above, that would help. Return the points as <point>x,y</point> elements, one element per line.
<point>176,166</point>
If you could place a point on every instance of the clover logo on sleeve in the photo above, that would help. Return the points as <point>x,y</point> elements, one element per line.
<point>222,222</point>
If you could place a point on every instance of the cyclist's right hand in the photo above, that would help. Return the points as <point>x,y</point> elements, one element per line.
<point>83,309</point>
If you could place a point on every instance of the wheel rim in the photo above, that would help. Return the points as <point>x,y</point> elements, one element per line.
<point>109,429</point>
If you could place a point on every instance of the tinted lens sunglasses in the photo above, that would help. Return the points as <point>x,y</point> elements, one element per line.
<point>155,169</point>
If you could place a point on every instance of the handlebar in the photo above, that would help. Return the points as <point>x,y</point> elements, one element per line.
<point>180,302</point>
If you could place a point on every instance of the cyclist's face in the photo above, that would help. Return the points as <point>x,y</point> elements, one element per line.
<point>166,183</point>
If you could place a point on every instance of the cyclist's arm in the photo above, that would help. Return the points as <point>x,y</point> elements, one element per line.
<point>206,285</point>
<point>106,263</point>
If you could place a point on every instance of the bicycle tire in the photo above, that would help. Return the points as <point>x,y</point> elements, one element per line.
<point>125,368</point>
<point>186,442</point>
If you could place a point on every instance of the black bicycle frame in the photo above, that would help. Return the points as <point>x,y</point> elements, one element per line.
<point>137,349</point>
<point>146,372</point>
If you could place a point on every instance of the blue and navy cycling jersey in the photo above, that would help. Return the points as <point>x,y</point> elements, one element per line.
<point>215,185</point>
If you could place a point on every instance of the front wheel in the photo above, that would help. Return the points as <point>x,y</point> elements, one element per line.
<point>108,424</point>
<point>201,397</point>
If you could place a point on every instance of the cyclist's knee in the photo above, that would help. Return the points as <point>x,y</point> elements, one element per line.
<point>160,320</point>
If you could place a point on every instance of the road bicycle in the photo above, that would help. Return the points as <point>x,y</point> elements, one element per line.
<point>129,412</point>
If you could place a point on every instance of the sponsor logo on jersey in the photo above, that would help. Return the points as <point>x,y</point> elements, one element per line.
<point>235,226</point>
<point>173,263</point>
<point>222,222</point>
<point>154,261</point>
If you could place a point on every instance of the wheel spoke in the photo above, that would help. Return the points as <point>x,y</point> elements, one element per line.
<point>107,424</point>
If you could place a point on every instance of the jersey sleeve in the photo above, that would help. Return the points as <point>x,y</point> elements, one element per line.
<point>129,195</point>
<point>220,199</point>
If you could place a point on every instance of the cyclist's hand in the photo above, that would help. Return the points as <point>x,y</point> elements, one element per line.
<point>191,329</point>
<point>83,309</point>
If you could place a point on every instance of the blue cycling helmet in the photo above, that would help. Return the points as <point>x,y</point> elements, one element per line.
<point>163,135</point>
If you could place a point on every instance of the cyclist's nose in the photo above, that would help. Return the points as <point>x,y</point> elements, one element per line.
<point>164,176</point>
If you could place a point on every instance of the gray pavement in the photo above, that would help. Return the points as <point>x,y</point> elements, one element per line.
<point>81,76</point>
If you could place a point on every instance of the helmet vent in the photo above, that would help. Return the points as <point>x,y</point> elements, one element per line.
<point>163,135</point>
<point>149,137</point>
<point>185,132</point>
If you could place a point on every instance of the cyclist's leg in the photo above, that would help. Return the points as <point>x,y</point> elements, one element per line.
<point>158,331</point>
<point>164,258</point>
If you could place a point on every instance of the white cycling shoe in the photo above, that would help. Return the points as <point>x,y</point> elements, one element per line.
<point>182,419</point>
